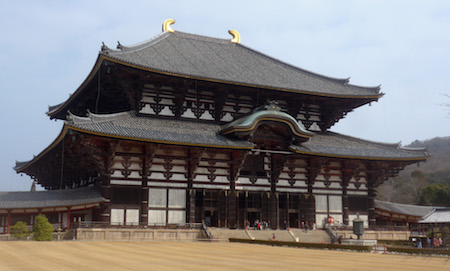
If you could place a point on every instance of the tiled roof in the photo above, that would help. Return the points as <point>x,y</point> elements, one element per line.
<point>147,128</point>
<point>441,215</point>
<point>51,198</point>
<point>220,60</point>
<point>131,126</point>
<point>338,145</point>
<point>406,209</point>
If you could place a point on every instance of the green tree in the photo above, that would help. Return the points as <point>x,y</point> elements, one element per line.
<point>20,230</point>
<point>436,194</point>
<point>42,229</point>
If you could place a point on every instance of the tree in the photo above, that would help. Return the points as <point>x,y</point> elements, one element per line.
<point>20,230</point>
<point>436,194</point>
<point>42,229</point>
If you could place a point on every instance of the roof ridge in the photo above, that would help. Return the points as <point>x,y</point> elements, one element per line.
<point>105,50</point>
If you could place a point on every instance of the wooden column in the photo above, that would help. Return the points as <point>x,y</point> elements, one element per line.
<point>147,160</point>
<point>192,164</point>
<point>346,176</point>
<point>9,222</point>
<point>237,159</point>
<point>373,177</point>
<point>312,170</point>
<point>68,218</point>
<point>276,166</point>
<point>232,209</point>
<point>105,207</point>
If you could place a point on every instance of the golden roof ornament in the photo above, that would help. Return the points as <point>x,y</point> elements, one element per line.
<point>166,25</point>
<point>236,36</point>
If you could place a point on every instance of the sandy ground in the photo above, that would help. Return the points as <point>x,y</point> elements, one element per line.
<point>197,256</point>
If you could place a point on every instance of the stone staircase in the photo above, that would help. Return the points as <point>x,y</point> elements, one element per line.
<point>317,236</point>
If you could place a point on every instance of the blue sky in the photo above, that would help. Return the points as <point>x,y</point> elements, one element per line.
<point>47,49</point>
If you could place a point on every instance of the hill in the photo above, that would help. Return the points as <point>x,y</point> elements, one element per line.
<point>425,183</point>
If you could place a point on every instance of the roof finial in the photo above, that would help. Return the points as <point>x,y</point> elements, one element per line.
<point>166,25</point>
<point>236,37</point>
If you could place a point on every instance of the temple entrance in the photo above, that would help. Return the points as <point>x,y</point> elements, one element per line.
<point>293,220</point>
<point>253,217</point>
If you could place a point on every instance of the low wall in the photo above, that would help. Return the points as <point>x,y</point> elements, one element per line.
<point>112,234</point>
<point>377,235</point>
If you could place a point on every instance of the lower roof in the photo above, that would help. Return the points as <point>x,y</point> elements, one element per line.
<point>404,209</point>
<point>131,126</point>
<point>441,215</point>
<point>51,198</point>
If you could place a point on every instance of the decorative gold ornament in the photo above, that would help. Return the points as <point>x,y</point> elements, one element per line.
<point>166,25</point>
<point>236,36</point>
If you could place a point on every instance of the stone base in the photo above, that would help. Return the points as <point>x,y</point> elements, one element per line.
<point>356,242</point>
<point>112,234</point>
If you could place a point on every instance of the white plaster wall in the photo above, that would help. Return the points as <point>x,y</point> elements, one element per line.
<point>177,217</point>
<point>157,197</point>
<point>156,217</point>
<point>321,220</point>
<point>177,198</point>
<point>335,203</point>
<point>117,216</point>
<point>132,217</point>
<point>321,203</point>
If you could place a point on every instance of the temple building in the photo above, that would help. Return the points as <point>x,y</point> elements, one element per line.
<point>184,128</point>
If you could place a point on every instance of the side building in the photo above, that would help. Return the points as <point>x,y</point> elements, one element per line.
<point>184,128</point>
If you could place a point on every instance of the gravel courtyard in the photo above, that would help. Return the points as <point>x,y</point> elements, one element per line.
<point>27,255</point>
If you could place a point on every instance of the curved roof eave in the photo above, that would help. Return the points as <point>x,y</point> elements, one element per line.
<point>21,166</point>
<point>54,110</point>
<point>343,156</point>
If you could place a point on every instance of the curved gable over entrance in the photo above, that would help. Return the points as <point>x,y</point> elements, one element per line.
<point>268,126</point>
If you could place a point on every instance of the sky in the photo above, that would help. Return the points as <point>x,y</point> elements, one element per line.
<point>47,49</point>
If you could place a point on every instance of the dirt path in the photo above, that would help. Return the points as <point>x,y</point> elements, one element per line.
<point>197,256</point>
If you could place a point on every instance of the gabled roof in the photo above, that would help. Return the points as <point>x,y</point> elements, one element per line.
<point>404,209</point>
<point>51,198</point>
<point>266,113</point>
<point>213,59</point>
<point>439,215</point>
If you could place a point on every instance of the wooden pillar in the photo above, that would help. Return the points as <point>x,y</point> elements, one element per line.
<point>232,209</point>
<point>346,176</point>
<point>245,218</point>
<point>191,205</point>
<point>143,218</point>
<point>237,159</point>
<point>371,193</point>
<point>68,218</point>
<point>9,222</point>
<point>273,210</point>
<point>312,170</point>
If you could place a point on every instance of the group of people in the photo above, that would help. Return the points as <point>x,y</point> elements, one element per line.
<point>435,242</point>
<point>259,225</point>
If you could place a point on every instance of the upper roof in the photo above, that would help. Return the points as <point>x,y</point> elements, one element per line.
<point>220,60</point>
<point>406,209</point>
<point>51,198</point>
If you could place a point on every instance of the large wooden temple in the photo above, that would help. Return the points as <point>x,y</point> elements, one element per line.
<point>185,128</point>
